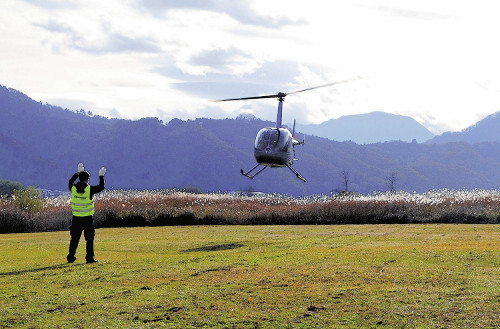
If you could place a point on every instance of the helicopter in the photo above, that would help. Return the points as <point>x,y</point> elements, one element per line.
<point>275,146</point>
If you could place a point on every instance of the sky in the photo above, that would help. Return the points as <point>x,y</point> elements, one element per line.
<point>434,60</point>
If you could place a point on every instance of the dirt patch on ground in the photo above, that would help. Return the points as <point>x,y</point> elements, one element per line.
<point>217,247</point>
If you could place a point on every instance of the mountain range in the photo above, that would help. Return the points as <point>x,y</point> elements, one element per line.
<point>41,145</point>
<point>486,130</point>
<point>369,128</point>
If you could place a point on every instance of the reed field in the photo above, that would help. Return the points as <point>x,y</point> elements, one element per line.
<point>256,276</point>
<point>119,208</point>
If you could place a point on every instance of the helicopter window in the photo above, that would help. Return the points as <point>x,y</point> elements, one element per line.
<point>275,136</point>
<point>267,138</point>
<point>263,138</point>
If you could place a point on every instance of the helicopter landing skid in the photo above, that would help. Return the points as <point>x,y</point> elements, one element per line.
<point>299,176</point>
<point>247,174</point>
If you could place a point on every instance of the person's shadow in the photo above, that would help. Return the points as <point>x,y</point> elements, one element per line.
<point>39,269</point>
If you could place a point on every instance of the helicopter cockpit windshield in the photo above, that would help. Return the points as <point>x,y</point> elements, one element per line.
<point>267,139</point>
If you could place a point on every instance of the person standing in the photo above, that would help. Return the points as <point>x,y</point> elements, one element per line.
<point>82,206</point>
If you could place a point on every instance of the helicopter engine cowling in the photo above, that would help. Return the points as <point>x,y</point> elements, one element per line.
<point>274,147</point>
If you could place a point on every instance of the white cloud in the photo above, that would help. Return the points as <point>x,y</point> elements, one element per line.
<point>434,60</point>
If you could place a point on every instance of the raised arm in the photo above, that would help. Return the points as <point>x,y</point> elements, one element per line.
<point>72,180</point>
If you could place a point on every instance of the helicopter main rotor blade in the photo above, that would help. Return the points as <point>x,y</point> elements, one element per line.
<point>244,98</point>
<point>321,86</point>
<point>281,95</point>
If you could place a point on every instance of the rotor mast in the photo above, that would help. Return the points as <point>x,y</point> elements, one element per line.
<point>279,117</point>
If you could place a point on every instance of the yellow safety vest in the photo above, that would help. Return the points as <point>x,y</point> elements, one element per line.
<point>81,204</point>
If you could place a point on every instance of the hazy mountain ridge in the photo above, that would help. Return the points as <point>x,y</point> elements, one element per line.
<point>486,130</point>
<point>369,128</point>
<point>41,144</point>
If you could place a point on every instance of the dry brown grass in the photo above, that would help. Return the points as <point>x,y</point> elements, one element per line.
<point>166,207</point>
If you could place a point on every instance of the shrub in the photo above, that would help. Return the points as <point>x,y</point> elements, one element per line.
<point>29,199</point>
<point>192,189</point>
<point>7,187</point>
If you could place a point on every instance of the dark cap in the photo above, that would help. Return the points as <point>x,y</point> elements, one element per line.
<point>83,176</point>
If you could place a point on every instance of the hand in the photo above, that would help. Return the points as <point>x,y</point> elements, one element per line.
<point>80,167</point>
<point>102,171</point>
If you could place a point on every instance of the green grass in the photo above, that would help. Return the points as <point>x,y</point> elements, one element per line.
<point>365,276</point>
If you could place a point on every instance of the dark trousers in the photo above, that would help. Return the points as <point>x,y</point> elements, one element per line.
<point>79,225</point>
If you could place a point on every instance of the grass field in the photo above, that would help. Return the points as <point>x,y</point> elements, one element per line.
<point>345,276</point>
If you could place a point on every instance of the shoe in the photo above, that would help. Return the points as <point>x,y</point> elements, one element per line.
<point>90,261</point>
<point>71,259</point>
